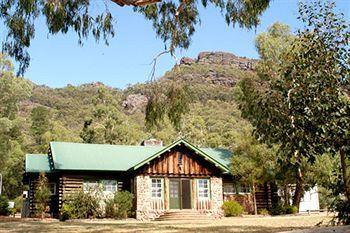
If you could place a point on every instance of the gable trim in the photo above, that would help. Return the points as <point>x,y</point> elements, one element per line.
<point>198,151</point>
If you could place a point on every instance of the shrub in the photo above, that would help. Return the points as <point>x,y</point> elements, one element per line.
<point>82,205</point>
<point>263,212</point>
<point>4,206</point>
<point>232,208</point>
<point>277,210</point>
<point>120,206</point>
<point>67,212</point>
<point>42,195</point>
<point>18,204</point>
<point>289,209</point>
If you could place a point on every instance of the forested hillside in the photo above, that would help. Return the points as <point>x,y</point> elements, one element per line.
<point>213,119</point>
<point>34,115</point>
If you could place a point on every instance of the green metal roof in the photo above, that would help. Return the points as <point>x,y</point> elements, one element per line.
<point>95,157</point>
<point>37,163</point>
<point>102,157</point>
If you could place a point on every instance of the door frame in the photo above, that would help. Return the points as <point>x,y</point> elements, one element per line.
<point>179,179</point>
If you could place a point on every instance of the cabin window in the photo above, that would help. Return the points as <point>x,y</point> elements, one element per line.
<point>236,188</point>
<point>203,188</point>
<point>90,185</point>
<point>243,188</point>
<point>157,188</point>
<point>110,185</point>
<point>229,188</point>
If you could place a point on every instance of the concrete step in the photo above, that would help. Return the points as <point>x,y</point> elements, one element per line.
<point>183,215</point>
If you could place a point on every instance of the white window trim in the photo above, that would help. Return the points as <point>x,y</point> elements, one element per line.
<point>209,191</point>
<point>162,188</point>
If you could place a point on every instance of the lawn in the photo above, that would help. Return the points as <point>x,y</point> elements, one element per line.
<point>234,224</point>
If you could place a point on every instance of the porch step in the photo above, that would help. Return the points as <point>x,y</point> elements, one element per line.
<point>183,215</point>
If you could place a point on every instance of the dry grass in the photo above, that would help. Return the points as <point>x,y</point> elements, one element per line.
<point>238,224</point>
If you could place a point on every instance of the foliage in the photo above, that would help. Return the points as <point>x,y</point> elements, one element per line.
<point>289,209</point>
<point>253,163</point>
<point>232,208</point>
<point>263,212</point>
<point>277,209</point>
<point>67,212</point>
<point>82,205</point>
<point>303,107</point>
<point>4,205</point>
<point>120,206</point>
<point>42,195</point>
<point>18,204</point>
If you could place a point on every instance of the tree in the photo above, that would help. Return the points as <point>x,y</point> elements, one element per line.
<point>13,90</point>
<point>41,124</point>
<point>42,195</point>
<point>253,163</point>
<point>174,22</point>
<point>304,109</point>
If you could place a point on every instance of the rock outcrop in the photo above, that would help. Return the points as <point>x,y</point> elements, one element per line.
<point>134,102</point>
<point>221,58</point>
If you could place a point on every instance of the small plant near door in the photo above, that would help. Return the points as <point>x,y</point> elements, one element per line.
<point>42,196</point>
<point>232,209</point>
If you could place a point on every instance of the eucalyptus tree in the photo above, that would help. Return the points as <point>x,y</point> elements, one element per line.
<point>304,108</point>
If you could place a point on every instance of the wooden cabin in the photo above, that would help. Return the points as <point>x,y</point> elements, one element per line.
<point>162,178</point>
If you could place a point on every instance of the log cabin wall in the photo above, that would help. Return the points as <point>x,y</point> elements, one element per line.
<point>71,182</point>
<point>54,198</point>
<point>180,162</point>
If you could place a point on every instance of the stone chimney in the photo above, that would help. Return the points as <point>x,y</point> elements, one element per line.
<point>152,142</point>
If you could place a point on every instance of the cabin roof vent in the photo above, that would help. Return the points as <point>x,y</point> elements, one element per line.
<point>152,142</point>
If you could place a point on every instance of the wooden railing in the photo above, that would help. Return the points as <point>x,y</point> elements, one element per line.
<point>157,204</point>
<point>203,204</point>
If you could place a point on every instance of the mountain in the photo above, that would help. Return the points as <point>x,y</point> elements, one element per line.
<point>213,119</point>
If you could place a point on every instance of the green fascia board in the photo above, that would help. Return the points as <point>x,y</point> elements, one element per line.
<point>98,157</point>
<point>189,145</point>
<point>36,163</point>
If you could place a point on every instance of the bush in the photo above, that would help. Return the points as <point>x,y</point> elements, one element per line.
<point>232,208</point>
<point>277,210</point>
<point>120,206</point>
<point>4,206</point>
<point>82,205</point>
<point>18,204</point>
<point>67,212</point>
<point>290,209</point>
<point>263,212</point>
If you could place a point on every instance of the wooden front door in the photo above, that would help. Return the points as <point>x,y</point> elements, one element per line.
<point>174,194</point>
<point>185,194</point>
<point>180,194</point>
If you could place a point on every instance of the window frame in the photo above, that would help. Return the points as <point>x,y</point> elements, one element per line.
<point>199,189</point>
<point>156,188</point>
<point>103,182</point>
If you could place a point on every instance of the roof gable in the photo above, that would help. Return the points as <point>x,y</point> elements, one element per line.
<point>203,152</point>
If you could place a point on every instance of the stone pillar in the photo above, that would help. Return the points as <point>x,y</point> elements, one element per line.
<point>216,196</point>
<point>143,198</point>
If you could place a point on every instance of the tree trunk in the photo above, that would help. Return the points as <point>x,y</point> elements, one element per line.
<point>254,200</point>
<point>286,194</point>
<point>344,173</point>
<point>299,189</point>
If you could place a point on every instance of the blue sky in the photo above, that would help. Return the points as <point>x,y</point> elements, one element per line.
<point>58,60</point>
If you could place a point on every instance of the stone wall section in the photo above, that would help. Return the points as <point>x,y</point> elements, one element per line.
<point>216,197</point>
<point>144,211</point>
